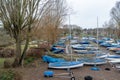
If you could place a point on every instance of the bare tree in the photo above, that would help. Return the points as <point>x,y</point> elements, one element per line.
<point>115,14</point>
<point>18,16</point>
<point>52,21</point>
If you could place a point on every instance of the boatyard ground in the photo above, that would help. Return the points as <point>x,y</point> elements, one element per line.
<point>36,72</point>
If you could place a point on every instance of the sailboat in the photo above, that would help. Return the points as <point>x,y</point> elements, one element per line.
<point>67,64</point>
<point>95,68</point>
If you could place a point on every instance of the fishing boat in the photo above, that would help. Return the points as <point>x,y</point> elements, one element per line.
<point>66,65</point>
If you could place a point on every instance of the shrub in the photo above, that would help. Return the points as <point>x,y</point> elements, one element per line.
<point>7,64</point>
<point>35,52</point>
<point>7,53</point>
<point>7,75</point>
<point>10,75</point>
<point>28,60</point>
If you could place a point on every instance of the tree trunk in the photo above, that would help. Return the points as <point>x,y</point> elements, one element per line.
<point>25,48</point>
<point>18,51</point>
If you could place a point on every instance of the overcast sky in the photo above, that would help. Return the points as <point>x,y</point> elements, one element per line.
<point>84,12</point>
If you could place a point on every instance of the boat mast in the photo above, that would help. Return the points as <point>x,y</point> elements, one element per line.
<point>97,42</point>
<point>97,32</point>
<point>95,66</point>
<point>70,30</point>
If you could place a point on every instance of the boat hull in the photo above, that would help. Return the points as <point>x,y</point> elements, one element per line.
<point>96,61</point>
<point>65,65</point>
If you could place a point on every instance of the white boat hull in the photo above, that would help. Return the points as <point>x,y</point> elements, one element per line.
<point>65,65</point>
<point>114,61</point>
<point>95,63</point>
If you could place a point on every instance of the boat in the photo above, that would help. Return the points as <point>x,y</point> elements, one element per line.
<point>57,51</point>
<point>102,55</point>
<point>84,51</point>
<point>114,61</point>
<point>117,52</point>
<point>50,59</point>
<point>93,61</point>
<point>112,57</point>
<point>117,66</point>
<point>65,65</point>
<point>74,41</point>
<point>80,51</point>
<point>75,45</point>
<point>79,48</point>
<point>84,42</point>
<point>113,46</point>
<point>105,44</point>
